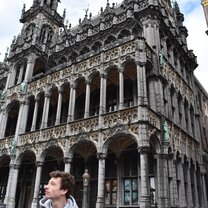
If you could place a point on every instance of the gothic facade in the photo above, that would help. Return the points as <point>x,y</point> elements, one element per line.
<point>115,95</point>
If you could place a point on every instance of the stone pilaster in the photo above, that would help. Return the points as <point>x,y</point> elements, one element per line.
<point>162,181</point>
<point>58,112</point>
<point>121,89</point>
<point>35,201</point>
<point>100,203</point>
<point>87,99</point>
<point>67,162</point>
<point>35,114</point>
<point>12,186</point>
<point>145,187</point>
<point>45,111</point>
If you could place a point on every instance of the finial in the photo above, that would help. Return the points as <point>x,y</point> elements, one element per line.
<point>6,54</point>
<point>86,11</point>
<point>64,13</point>
<point>23,9</point>
<point>108,4</point>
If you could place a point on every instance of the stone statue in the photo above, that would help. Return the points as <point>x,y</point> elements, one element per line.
<point>23,86</point>
<point>13,147</point>
<point>161,59</point>
<point>166,132</point>
<point>3,94</point>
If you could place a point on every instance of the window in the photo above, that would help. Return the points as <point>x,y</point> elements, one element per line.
<point>110,192</point>
<point>130,180</point>
<point>130,191</point>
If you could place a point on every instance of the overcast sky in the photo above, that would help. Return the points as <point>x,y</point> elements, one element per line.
<point>10,12</point>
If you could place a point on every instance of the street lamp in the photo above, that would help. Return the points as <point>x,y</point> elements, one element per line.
<point>86,178</point>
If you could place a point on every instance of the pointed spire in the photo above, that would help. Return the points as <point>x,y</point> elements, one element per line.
<point>64,13</point>
<point>23,10</point>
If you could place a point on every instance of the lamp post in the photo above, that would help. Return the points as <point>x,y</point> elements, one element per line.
<point>86,178</point>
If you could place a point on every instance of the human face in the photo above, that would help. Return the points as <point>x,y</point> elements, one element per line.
<point>53,189</point>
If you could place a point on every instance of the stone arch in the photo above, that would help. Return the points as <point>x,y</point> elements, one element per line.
<point>12,116</point>
<point>65,91</point>
<point>109,39</point>
<point>124,33</point>
<point>130,82</point>
<point>20,70</point>
<point>112,90</point>
<point>95,83</point>
<point>39,68</point>
<point>4,173</point>
<point>121,139</point>
<point>84,50</point>
<point>26,178</point>
<point>84,157</point>
<point>137,30</point>
<point>73,56</point>
<point>62,60</point>
<point>96,47</point>
<point>156,144</point>
<point>80,98</point>
<point>31,101</point>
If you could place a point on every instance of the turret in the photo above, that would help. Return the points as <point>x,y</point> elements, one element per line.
<point>52,4</point>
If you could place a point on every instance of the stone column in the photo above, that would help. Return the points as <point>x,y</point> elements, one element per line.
<point>175,101</point>
<point>189,187</point>
<point>24,117</point>
<point>35,114</point>
<point>182,195</point>
<point>12,186</point>
<point>3,122</point>
<point>58,112</point>
<point>87,100</point>
<point>69,117</point>
<point>145,187</point>
<point>18,126</point>
<point>205,202</point>
<point>45,111</point>
<point>30,67</point>
<point>162,181</point>
<point>20,78</point>
<point>67,167</point>
<point>175,189</point>
<point>37,185</point>
<point>141,74</point>
<point>171,189</point>
<point>121,89</point>
<point>183,121</point>
<point>102,93</point>
<point>10,77</point>
<point>189,122</point>
<point>100,203</point>
<point>73,101</point>
<point>195,188</point>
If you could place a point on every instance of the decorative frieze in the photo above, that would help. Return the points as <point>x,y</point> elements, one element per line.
<point>175,79</point>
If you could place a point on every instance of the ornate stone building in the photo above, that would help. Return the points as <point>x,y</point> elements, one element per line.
<point>115,95</point>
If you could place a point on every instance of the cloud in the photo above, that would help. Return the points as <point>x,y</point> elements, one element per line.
<point>192,9</point>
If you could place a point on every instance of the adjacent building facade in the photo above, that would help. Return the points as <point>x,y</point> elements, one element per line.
<point>115,95</point>
<point>205,7</point>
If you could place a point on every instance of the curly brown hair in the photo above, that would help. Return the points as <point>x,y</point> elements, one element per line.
<point>67,181</point>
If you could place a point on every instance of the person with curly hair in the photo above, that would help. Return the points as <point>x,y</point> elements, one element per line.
<point>58,191</point>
